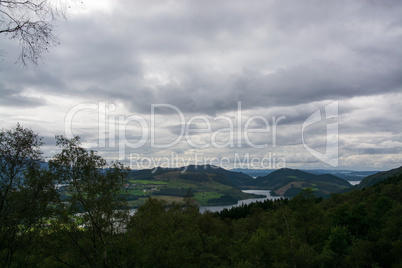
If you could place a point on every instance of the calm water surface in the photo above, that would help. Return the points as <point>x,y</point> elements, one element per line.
<point>245,201</point>
<point>241,202</point>
<point>354,182</point>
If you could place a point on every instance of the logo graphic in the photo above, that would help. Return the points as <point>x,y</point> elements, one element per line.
<point>123,133</point>
<point>330,156</point>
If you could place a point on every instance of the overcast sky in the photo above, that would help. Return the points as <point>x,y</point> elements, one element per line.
<point>224,79</point>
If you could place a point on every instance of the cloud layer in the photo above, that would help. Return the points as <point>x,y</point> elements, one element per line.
<point>277,58</point>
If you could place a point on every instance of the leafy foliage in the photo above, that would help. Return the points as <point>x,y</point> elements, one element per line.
<point>94,191</point>
<point>25,190</point>
<point>91,227</point>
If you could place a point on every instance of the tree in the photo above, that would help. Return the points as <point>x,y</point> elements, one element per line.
<point>93,197</point>
<point>31,22</point>
<point>163,235</point>
<point>25,191</point>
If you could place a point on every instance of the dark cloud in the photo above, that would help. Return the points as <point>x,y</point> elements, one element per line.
<point>276,58</point>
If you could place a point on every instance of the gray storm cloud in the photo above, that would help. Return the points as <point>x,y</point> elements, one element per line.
<point>275,57</point>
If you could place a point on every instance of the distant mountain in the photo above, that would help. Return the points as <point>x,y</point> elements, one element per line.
<point>349,175</point>
<point>253,172</point>
<point>380,176</point>
<point>290,182</point>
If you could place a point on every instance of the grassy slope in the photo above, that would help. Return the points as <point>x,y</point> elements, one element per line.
<point>172,185</point>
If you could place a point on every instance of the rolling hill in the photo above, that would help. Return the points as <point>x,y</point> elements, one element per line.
<point>380,176</point>
<point>236,178</point>
<point>208,185</point>
<point>290,182</point>
<point>348,175</point>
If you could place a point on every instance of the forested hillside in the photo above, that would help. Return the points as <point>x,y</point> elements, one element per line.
<point>377,177</point>
<point>357,229</point>
<point>92,227</point>
<point>290,182</point>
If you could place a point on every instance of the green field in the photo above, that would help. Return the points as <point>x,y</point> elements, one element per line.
<point>203,197</point>
<point>148,182</point>
<point>135,192</point>
<point>314,189</point>
<point>172,186</point>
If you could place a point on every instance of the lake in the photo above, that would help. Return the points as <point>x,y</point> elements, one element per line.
<point>354,182</point>
<point>245,201</point>
<point>241,202</point>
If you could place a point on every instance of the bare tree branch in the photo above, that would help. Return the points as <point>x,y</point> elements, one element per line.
<point>32,23</point>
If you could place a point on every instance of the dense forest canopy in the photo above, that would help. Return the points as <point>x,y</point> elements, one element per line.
<point>92,226</point>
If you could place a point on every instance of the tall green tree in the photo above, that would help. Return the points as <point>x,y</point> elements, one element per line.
<point>94,210</point>
<point>25,191</point>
